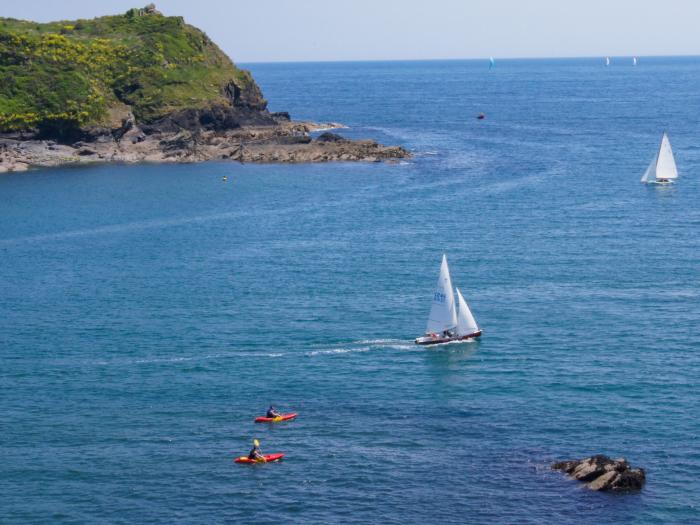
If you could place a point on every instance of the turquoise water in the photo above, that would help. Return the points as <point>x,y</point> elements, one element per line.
<point>148,313</point>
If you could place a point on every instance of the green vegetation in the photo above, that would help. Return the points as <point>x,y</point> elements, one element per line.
<point>65,75</point>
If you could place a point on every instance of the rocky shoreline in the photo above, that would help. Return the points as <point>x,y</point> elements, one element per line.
<point>284,142</point>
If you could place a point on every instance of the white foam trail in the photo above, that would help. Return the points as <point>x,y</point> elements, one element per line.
<point>377,341</point>
<point>143,225</point>
<point>181,359</point>
<point>332,351</point>
<point>328,128</point>
<point>402,347</point>
<point>119,228</point>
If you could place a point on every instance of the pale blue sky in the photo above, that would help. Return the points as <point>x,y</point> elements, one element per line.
<point>290,30</point>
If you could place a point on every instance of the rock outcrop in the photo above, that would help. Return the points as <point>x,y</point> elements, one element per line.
<point>285,142</point>
<point>603,473</point>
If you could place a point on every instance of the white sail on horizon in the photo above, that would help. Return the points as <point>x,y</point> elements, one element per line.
<point>443,315</point>
<point>663,165</point>
<point>466,324</point>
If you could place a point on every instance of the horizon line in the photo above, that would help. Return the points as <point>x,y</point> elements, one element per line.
<point>472,59</point>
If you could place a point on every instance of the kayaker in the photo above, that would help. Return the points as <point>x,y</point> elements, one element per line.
<point>272,413</point>
<point>255,453</point>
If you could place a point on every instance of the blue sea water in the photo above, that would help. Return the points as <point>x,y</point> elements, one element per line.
<point>148,313</point>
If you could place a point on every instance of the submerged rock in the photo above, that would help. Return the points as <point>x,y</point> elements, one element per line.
<point>603,473</point>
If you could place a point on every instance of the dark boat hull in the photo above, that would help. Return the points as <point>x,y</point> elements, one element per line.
<point>437,340</point>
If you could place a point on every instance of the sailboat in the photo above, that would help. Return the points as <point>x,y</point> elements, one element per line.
<point>492,62</point>
<point>445,324</point>
<point>662,169</point>
<point>634,61</point>
<point>607,61</point>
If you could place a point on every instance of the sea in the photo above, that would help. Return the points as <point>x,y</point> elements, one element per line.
<point>149,312</point>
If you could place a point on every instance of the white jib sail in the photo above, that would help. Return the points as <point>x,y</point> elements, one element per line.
<point>665,163</point>
<point>650,173</point>
<point>466,324</point>
<point>443,315</point>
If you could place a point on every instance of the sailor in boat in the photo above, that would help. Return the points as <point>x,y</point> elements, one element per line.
<point>255,453</point>
<point>272,413</point>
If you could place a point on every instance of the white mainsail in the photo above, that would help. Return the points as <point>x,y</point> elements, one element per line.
<point>607,61</point>
<point>634,61</point>
<point>443,315</point>
<point>466,324</point>
<point>663,165</point>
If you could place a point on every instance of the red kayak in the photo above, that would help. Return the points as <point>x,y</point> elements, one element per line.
<point>283,417</point>
<point>269,458</point>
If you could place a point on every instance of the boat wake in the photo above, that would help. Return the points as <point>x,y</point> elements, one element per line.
<point>170,360</point>
<point>363,345</point>
<point>333,351</point>
<point>131,227</point>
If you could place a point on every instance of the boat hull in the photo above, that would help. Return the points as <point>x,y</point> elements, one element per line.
<point>269,458</point>
<point>283,417</point>
<point>437,340</point>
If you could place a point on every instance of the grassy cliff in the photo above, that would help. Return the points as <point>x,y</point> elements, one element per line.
<point>62,76</point>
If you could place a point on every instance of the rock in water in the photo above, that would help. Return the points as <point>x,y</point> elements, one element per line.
<point>602,473</point>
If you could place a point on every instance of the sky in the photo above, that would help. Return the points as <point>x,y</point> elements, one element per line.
<point>320,30</point>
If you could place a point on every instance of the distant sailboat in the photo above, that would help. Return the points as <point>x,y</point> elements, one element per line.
<point>444,323</point>
<point>607,61</point>
<point>492,62</point>
<point>662,169</point>
<point>634,61</point>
